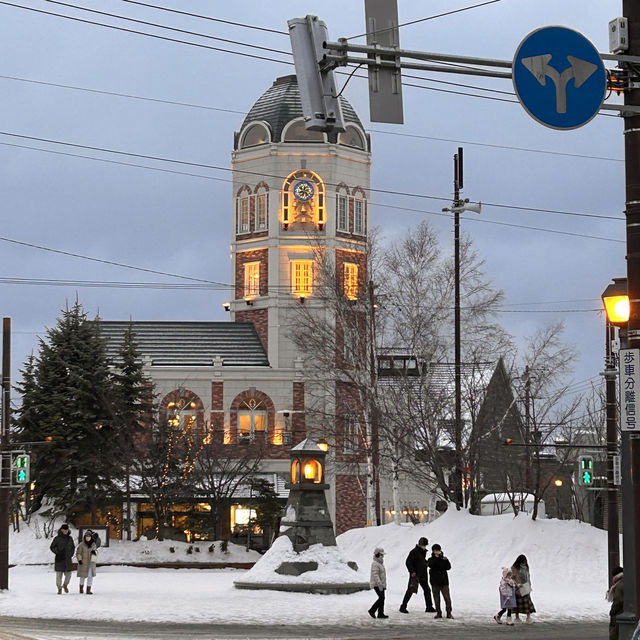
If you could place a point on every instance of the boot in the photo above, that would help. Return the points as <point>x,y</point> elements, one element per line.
<point>449,615</point>
<point>66,588</point>
<point>372,613</point>
<point>381,615</point>
<point>403,610</point>
<point>59,590</point>
<point>81,588</point>
<point>89,592</point>
<point>430,610</point>
<point>438,614</point>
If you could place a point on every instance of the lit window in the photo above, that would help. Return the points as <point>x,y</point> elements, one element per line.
<point>252,419</point>
<point>343,217</point>
<point>256,134</point>
<point>358,217</point>
<point>261,211</point>
<point>252,279</point>
<point>241,516</point>
<point>297,132</point>
<point>181,414</point>
<point>351,280</point>
<point>243,215</point>
<point>301,279</point>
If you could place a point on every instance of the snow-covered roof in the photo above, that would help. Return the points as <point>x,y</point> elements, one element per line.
<point>507,497</point>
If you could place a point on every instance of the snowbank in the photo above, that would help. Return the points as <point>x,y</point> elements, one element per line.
<point>567,559</point>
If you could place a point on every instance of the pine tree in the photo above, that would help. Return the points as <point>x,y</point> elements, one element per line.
<point>67,394</point>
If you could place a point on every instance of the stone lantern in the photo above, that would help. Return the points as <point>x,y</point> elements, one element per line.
<point>306,520</point>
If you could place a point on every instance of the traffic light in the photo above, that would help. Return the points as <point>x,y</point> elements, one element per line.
<point>585,471</point>
<point>320,105</point>
<point>22,468</point>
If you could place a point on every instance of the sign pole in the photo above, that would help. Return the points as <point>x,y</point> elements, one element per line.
<point>4,442</point>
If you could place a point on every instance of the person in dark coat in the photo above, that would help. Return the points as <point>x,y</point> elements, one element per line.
<point>522,576</point>
<point>438,565</point>
<point>63,548</point>
<point>417,566</point>
<point>615,597</point>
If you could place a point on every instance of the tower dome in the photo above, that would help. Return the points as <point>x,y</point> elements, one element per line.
<point>281,105</point>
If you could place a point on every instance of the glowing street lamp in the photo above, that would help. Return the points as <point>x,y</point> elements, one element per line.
<point>616,302</point>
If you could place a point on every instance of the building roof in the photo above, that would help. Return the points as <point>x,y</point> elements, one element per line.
<point>189,344</point>
<point>281,103</point>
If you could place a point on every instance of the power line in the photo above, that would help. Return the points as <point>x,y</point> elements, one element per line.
<point>162,26</point>
<point>143,33</point>
<point>378,131</point>
<point>103,261</point>
<point>262,175</point>
<point>196,15</point>
<point>373,204</point>
<point>439,15</point>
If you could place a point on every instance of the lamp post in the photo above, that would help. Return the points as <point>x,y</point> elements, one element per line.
<point>616,303</point>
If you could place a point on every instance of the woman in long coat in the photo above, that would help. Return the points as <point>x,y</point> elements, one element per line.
<point>87,556</point>
<point>378,582</point>
<point>524,604</point>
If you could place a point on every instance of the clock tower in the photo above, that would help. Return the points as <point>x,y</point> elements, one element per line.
<point>294,192</point>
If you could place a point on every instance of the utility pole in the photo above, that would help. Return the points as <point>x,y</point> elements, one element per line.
<point>4,447</point>
<point>458,183</point>
<point>631,521</point>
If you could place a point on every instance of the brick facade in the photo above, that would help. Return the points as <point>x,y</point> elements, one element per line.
<point>217,406</point>
<point>351,508</point>
<point>260,320</point>
<point>254,255</point>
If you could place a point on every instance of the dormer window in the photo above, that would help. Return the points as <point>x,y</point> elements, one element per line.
<point>255,135</point>
<point>352,138</point>
<point>297,132</point>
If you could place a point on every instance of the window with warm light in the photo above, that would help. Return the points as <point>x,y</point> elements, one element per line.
<point>358,217</point>
<point>311,471</point>
<point>241,516</point>
<point>243,214</point>
<point>181,414</point>
<point>252,420</point>
<point>342,218</point>
<point>351,280</point>
<point>301,277</point>
<point>261,211</point>
<point>252,279</point>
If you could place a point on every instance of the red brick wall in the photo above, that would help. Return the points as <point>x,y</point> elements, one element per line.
<point>357,257</point>
<point>255,255</point>
<point>260,320</point>
<point>217,406</point>
<point>351,509</point>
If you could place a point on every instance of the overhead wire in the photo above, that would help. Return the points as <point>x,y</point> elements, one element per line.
<point>378,131</point>
<point>261,175</point>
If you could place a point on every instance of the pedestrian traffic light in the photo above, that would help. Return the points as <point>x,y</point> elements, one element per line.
<point>585,471</point>
<point>22,468</point>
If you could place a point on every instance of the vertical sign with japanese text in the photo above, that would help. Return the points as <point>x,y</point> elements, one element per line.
<point>629,389</point>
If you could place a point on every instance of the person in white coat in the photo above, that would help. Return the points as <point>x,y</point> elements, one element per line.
<point>378,582</point>
<point>87,556</point>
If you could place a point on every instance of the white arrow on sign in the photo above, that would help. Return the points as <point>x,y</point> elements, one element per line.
<point>580,71</point>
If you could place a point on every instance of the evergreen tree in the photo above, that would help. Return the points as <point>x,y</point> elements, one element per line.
<point>67,393</point>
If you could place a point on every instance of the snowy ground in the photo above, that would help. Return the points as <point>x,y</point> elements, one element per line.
<point>567,560</point>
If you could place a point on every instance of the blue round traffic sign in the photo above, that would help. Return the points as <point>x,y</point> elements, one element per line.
<point>559,77</point>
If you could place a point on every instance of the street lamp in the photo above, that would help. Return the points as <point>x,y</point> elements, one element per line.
<point>616,304</point>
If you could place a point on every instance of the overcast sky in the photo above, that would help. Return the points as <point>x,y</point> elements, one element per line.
<point>180,224</point>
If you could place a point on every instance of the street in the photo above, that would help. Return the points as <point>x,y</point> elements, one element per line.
<point>42,629</point>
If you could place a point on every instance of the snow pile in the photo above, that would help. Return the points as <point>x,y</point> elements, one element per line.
<point>568,563</point>
<point>332,566</point>
<point>29,546</point>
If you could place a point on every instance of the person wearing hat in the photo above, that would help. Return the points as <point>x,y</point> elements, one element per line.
<point>378,582</point>
<point>63,548</point>
<point>87,555</point>
<point>417,566</point>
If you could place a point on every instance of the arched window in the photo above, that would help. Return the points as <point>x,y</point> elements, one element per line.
<point>261,207</point>
<point>296,132</point>
<point>256,134</point>
<point>352,138</point>
<point>303,201</point>
<point>182,409</point>
<point>243,210</point>
<point>252,419</point>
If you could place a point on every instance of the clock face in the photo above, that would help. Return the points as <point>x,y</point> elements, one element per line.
<point>303,190</point>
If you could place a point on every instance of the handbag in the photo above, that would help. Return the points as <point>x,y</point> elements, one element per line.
<point>413,584</point>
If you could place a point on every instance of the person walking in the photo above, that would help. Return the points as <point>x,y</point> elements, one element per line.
<point>439,565</point>
<point>63,547</point>
<point>378,582</point>
<point>615,597</point>
<point>522,576</point>
<point>87,556</point>
<point>507,590</point>
<point>416,563</point>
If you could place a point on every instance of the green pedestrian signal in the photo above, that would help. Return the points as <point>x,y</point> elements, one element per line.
<point>22,468</point>
<point>585,471</point>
